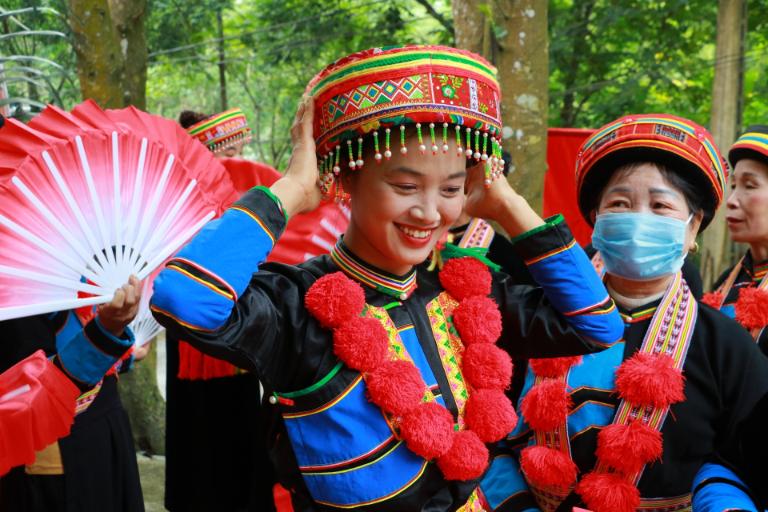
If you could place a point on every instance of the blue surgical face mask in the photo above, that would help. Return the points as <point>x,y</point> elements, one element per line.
<point>640,246</point>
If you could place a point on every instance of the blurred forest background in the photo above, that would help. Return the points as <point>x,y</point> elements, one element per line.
<point>562,63</point>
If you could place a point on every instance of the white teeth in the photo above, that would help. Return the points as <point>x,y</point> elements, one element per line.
<point>415,233</point>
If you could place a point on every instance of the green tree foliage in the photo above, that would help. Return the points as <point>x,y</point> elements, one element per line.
<point>36,55</point>
<point>272,48</point>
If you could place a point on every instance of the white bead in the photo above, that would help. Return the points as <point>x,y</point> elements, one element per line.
<point>378,157</point>
<point>403,150</point>
<point>431,125</point>
<point>434,148</point>
<point>459,151</point>
<point>403,296</point>
<point>422,148</point>
<point>445,148</point>
<point>387,154</point>
<point>488,182</point>
<point>476,155</point>
<point>468,152</point>
<point>359,163</point>
<point>336,169</point>
<point>352,164</point>
<point>484,157</point>
<point>273,399</point>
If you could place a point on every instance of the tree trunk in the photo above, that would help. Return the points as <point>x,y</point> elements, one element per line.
<point>523,63</point>
<point>517,42</point>
<point>111,50</point>
<point>111,54</point>
<point>727,97</point>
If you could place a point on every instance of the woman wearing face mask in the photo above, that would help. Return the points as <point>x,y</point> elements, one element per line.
<point>627,429</point>
<point>741,290</point>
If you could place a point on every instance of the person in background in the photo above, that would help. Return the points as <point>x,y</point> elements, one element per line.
<point>94,468</point>
<point>216,448</point>
<point>629,427</point>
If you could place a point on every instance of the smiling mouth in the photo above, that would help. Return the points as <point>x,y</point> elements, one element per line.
<point>420,234</point>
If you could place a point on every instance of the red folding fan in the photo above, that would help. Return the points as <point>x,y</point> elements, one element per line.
<point>90,197</point>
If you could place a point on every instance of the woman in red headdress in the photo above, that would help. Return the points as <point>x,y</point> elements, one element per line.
<point>627,429</point>
<point>387,373</point>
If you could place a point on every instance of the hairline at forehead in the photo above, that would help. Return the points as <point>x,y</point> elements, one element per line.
<point>762,166</point>
<point>404,169</point>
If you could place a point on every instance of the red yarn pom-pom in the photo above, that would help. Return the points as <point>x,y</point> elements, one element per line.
<point>752,308</point>
<point>650,379</point>
<point>396,387</point>
<point>712,299</point>
<point>362,343</point>
<point>628,447</point>
<point>546,405</point>
<point>490,415</point>
<point>478,320</point>
<point>547,467</point>
<point>334,299</point>
<point>465,277</point>
<point>608,492</point>
<point>487,367</point>
<point>428,430</point>
<point>553,367</point>
<point>467,459</point>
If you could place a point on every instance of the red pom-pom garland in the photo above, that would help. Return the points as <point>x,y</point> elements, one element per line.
<point>334,299</point>
<point>713,299</point>
<point>479,318</point>
<point>361,343</point>
<point>628,447</point>
<point>608,492</point>
<point>546,405</point>
<point>396,385</point>
<point>465,277</point>
<point>467,458</point>
<point>487,367</point>
<point>752,308</point>
<point>547,467</point>
<point>650,379</point>
<point>553,367</point>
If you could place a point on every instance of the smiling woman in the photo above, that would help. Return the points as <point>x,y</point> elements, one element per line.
<point>389,375</point>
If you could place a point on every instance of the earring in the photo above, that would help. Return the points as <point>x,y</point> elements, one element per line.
<point>695,248</point>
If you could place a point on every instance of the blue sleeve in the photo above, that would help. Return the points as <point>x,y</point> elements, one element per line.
<point>200,286</point>
<point>569,281</point>
<point>718,489</point>
<point>504,487</point>
<point>91,352</point>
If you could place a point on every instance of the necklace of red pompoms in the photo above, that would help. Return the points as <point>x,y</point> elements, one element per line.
<point>396,386</point>
<point>751,308</point>
<point>646,381</point>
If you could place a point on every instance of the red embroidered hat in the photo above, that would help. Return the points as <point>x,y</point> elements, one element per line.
<point>437,92</point>
<point>222,130</point>
<point>674,141</point>
<point>752,144</point>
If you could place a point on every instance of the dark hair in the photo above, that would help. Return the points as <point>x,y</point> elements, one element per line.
<point>188,117</point>
<point>693,196</point>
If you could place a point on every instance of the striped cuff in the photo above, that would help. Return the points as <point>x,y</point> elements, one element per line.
<point>88,355</point>
<point>199,287</point>
<point>718,489</point>
<point>562,269</point>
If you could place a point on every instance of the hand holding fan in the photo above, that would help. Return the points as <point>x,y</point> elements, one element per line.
<point>86,204</point>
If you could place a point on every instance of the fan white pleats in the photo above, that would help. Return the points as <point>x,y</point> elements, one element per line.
<point>91,197</point>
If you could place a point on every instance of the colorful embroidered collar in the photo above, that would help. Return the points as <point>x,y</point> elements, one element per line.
<point>400,287</point>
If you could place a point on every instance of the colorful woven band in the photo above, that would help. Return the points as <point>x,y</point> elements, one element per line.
<point>222,130</point>
<point>388,87</point>
<point>660,134</point>
<point>753,143</point>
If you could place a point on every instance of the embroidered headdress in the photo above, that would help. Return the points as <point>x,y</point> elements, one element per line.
<point>222,130</point>
<point>752,144</point>
<point>679,143</point>
<point>379,96</point>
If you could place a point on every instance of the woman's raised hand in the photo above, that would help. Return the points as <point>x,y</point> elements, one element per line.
<point>298,189</point>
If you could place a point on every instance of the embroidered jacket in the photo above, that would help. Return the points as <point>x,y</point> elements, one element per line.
<point>346,451</point>
<point>725,376</point>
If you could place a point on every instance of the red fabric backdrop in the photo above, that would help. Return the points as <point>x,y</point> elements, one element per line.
<point>560,179</point>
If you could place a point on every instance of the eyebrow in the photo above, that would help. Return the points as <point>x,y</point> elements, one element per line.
<point>418,174</point>
<point>667,191</point>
